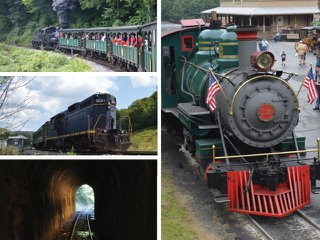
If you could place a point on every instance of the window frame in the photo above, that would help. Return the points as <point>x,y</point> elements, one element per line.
<point>183,43</point>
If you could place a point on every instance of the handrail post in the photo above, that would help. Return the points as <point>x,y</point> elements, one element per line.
<point>214,156</point>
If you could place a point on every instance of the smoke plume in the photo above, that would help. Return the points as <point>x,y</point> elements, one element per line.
<point>63,9</point>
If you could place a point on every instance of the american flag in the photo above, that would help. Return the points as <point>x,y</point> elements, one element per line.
<point>212,91</point>
<point>310,85</point>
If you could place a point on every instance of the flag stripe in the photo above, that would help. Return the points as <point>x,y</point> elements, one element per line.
<point>309,83</point>
<point>213,89</point>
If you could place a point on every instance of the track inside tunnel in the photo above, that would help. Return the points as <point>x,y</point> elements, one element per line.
<point>40,198</point>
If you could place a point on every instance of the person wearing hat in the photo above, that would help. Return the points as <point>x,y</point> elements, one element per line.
<point>317,80</point>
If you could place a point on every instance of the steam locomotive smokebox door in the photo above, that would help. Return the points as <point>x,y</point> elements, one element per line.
<point>204,151</point>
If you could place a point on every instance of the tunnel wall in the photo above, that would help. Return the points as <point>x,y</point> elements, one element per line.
<point>38,197</point>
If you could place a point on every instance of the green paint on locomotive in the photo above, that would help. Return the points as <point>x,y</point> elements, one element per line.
<point>217,49</point>
<point>171,50</point>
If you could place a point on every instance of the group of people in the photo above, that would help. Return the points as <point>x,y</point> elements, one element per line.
<point>118,39</point>
<point>130,41</point>
<point>97,36</point>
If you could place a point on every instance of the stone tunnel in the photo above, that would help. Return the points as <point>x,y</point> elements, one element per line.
<point>38,197</point>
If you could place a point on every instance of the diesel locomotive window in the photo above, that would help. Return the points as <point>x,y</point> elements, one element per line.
<point>169,70</point>
<point>187,43</point>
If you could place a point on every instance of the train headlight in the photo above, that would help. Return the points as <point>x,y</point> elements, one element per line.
<point>262,61</point>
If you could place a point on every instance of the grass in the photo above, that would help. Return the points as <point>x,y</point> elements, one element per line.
<point>14,59</point>
<point>145,139</point>
<point>176,223</point>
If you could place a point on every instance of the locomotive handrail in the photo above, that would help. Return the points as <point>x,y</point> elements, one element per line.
<point>194,65</point>
<point>254,78</point>
<point>214,158</point>
<point>268,154</point>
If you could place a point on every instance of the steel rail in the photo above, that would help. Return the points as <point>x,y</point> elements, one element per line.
<point>76,222</point>
<point>309,220</point>
<point>88,222</point>
<point>260,228</point>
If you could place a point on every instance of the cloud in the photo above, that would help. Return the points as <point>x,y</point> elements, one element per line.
<point>51,95</point>
<point>143,81</point>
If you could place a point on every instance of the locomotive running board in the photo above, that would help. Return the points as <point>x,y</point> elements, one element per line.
<point>193,110</point>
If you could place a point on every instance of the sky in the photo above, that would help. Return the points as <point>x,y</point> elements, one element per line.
<point>53,94</point>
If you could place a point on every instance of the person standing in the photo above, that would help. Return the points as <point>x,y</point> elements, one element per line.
<point>264,45</point>
<point>283,58</point>
<point>317,80</point>
<point>301,50</point>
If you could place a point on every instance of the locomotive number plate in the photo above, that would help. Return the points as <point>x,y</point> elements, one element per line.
<point>266,112</point>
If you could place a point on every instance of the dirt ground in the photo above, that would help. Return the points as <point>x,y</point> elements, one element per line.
<point>212,220</point>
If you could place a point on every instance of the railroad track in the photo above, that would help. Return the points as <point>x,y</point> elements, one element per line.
<point>81,228</point>
<point>295,226</point>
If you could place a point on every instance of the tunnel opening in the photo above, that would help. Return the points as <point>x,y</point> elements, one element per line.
<point>84,197</point>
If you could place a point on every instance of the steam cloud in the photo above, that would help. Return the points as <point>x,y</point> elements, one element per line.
<point>63,9</point>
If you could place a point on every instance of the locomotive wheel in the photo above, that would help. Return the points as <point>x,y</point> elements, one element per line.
<point>84,52</point>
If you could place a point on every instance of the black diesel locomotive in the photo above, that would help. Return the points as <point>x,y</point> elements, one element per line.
<point>89,125</point>
<point>246,147</point>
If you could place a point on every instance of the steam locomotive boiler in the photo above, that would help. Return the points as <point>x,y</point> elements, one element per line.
<point>246,147</point>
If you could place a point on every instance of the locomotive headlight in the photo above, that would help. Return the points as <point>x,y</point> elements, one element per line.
<point>262,61</point>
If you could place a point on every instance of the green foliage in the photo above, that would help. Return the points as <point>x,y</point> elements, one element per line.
<point>10,150</point>
<point>19,19</point>
<point>14,59</point>
<point>174,10</point>
<point>72,151</point>
<point>142,112</point>
<point>145,139</point>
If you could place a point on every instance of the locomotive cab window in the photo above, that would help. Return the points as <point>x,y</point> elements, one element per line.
<point>187,43</point>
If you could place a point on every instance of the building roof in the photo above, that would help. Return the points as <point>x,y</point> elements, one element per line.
<point>192,22</point>
<point>17,137</point>
<point>260,11</point>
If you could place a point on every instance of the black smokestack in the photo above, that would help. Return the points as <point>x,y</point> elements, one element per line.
<point>63,8</point>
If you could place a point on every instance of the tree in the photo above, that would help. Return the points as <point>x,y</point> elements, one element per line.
<point>10,105</point>
<point>174,10</point>
<point>142,112</point>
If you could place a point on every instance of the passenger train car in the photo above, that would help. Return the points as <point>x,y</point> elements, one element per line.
<point>245,144</point>
<point>143,58</point>
<point>89,125</point>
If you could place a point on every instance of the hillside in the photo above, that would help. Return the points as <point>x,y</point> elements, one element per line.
<point>145,139</point>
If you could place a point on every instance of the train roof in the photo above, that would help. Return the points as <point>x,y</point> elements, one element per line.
<point>123,29</point>
<point>149,27</point>
<point>172,31</point>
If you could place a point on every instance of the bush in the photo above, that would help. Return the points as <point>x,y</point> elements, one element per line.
<point>10,150</point>
<point>13,59</point>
